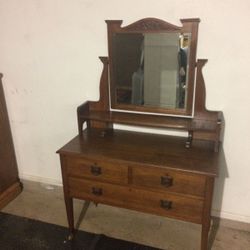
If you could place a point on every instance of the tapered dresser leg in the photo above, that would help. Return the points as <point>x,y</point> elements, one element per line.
<point>204,236</point>
<point>206,216</point>
<point>68,200</point>
<point>70,216</point>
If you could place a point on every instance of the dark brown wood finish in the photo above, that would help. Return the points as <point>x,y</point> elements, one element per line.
<point>205,124</point>
<point>165,175</point>
<point>10,185</point>
<point>165,152</point>
<point>153,25</point>
<point>67,198</point>
<point>204,119</point>
<point>101,105</point>
<point>150,173</point>
<point>206,217</point>
<point>138,199</point>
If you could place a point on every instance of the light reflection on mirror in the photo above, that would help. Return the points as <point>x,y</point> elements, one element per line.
<point>151,69</point>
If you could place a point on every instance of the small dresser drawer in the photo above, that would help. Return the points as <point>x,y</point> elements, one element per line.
<point>167,204</point>
<point>100,192</point>
<point>169,180</point>
<point>170,205</point>
<point>97,170</point>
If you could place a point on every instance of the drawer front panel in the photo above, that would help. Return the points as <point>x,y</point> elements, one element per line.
<point>169,180</point>
<point>97,170</point>
<point>169,205</point>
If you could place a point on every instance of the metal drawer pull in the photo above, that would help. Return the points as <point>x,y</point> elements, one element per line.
<point>166,181</point>
<point>96,170</point>
<point>166,204</point>
<point>97,191</point>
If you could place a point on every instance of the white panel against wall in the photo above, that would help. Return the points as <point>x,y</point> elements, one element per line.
<point>49,53</point>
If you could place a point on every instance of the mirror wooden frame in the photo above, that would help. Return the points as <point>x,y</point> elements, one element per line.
<point>153,25</point>
<point>203,124</point>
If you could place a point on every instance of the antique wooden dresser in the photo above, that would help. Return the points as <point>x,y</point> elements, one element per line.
<point>10,185</point>
<point>166,175</point>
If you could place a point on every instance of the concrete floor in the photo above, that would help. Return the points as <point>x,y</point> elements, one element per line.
<point>45,203</point>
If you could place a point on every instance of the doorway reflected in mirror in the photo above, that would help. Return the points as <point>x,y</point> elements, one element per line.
<point>151,69</point>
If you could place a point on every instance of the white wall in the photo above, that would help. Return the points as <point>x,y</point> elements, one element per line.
<point>48,54</point>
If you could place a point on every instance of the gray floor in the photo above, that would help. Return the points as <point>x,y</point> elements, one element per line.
<point>45,203</point>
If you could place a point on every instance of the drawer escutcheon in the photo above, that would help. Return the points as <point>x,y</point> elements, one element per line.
<point>97,191</point>
<point>166,181</point>
<point>166,204</point>
<point>95,170</point>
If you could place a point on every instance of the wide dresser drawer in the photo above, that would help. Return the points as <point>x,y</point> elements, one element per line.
<point>168,180</point>
<point>107,171</point>
<point>165,204</point>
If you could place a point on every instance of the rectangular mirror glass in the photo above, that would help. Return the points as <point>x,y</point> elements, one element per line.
<point>151,69</point>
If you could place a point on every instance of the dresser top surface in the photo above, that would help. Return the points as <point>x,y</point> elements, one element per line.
<point>145,149</point>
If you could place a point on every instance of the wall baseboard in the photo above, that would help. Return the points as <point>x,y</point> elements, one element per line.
<point>233,218</point>
<point>230,218</point>
<point>40,179</point>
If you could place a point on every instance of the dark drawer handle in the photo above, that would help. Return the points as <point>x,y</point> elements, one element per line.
<point>97,191</point>
<point>166,204</point>
<point>96,170</point>
<point>166,181</point>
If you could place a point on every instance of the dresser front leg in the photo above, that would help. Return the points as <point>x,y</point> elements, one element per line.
<point>70,216</point>
<point>206,215</point>
<point>204,235</point>
<point>67,199</point>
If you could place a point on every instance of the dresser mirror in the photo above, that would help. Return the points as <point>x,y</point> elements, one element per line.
<point>152,66</point>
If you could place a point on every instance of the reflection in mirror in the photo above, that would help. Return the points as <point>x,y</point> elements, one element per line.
<point>151,69</point>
